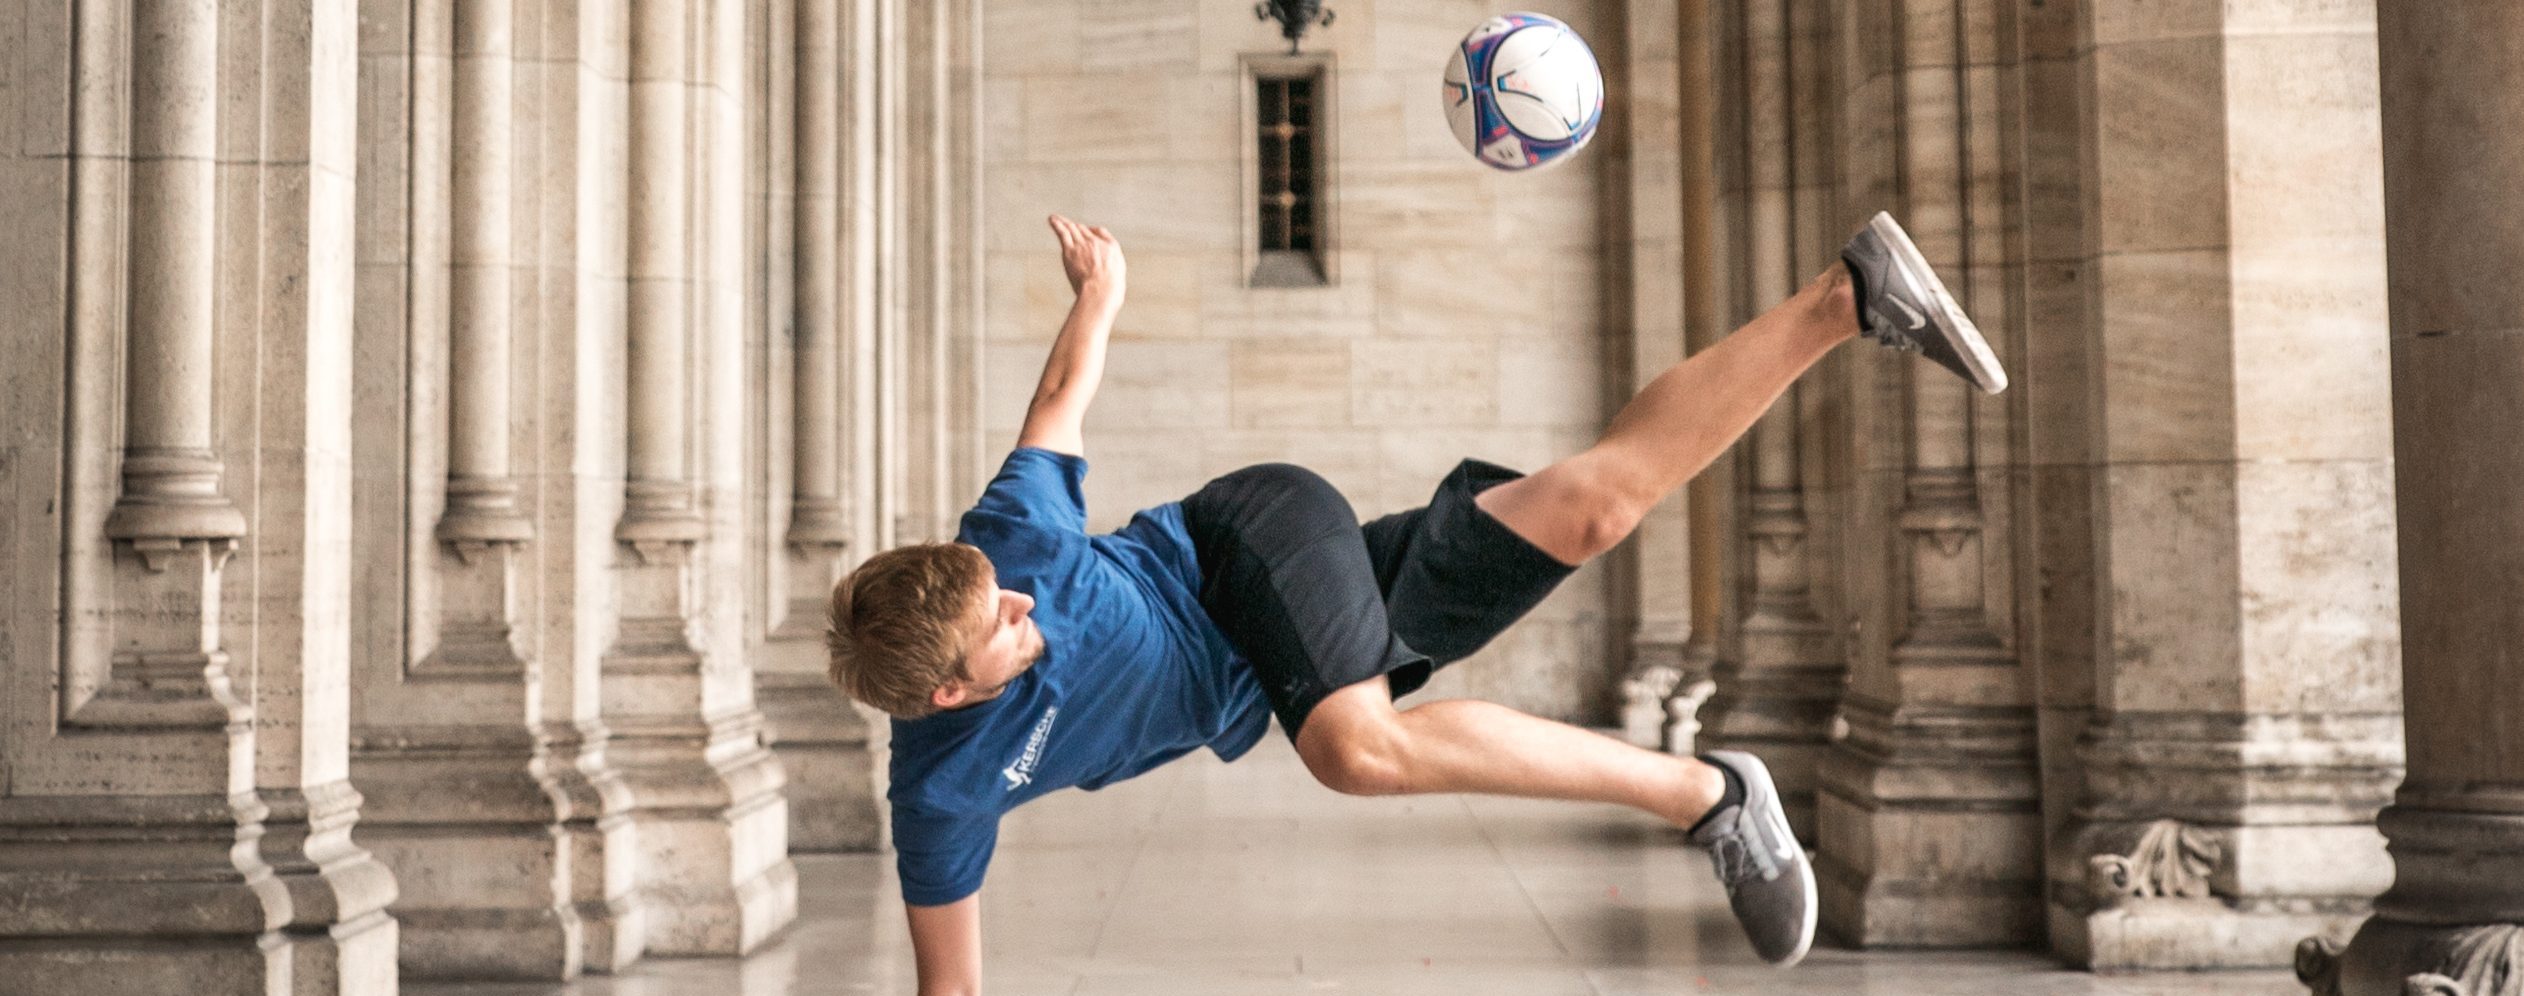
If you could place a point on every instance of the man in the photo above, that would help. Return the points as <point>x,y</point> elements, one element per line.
<point>1029,656</point>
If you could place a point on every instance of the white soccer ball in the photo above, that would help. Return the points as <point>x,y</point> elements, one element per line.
<point>1523,90</point>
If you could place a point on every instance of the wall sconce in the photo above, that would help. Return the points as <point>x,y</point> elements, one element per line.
<point>1295,16</point>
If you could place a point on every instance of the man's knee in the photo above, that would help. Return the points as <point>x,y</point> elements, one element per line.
<point>1357,758</point>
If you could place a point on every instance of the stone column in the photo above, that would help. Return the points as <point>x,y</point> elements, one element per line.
<point>2453,921</point>
<point>2246,722</point>
<point>923,160</point>
<point>821,740</point>
<point>1929,808</point>
<point>580,417</point>
<point>1656,564</point>
<point>705,794</point>
<point>1776,693</point>
<point>893,449</point>
<point>456,737</point>
<point>1708,500</point>
<point>176,815</point>
<point>866,211</point>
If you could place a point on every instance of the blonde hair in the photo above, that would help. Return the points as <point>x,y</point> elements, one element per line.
<point>900,622</point>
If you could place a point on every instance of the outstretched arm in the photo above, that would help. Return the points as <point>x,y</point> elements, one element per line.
<point>946,942</point>
<point>1093,260</point>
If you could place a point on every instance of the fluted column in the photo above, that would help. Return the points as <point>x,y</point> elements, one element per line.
<point>2453,131</point>
<point>2246,723</point>
<point>1931,831</point>
<point>1776,693</point>
<point>821,740</point>
<point>677,696</point>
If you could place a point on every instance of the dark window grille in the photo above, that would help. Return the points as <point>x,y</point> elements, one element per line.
<point>1287,114</point>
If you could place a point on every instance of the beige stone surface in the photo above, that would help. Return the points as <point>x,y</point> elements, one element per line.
<point>1455,288</point>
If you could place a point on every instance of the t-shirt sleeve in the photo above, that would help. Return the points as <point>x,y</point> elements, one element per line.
<point>941,856</point>
<point>1033,508</point>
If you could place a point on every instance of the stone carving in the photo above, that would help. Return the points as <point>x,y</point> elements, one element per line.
<point>2172,860</point>
<point>2475,961</point>
<point>2318,965</point>
<point>2486,960</point>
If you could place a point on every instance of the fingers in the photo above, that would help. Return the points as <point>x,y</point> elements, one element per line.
<point>1071,233</point>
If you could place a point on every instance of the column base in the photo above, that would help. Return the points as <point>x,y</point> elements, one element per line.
<point>822,744</point>
<point>2163,895</point>
<point>146,895</point>
<point>2392,958</point>
<point>2184,935</point>
<point>714,872</point>
<point>1932,835</point>
<point>474,826</point>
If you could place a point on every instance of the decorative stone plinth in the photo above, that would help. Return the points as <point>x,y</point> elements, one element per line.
<point>1931,833</point>
<point>192,894</point>
<point>2228,839</point>
<point>704,792</point>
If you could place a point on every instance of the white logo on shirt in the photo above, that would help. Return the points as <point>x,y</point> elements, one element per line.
<point>1021,771</point>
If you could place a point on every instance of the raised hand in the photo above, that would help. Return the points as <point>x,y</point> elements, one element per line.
<point>1090,255</point>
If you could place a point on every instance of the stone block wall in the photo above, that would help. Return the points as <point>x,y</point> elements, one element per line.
<point>1469,312</point>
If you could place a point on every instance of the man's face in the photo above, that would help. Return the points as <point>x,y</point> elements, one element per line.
<point>1006,643</point>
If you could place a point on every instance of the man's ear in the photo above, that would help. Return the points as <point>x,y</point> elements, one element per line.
<point>949,695</point>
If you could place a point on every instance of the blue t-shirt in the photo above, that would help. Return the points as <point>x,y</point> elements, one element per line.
<point>1133,675</point>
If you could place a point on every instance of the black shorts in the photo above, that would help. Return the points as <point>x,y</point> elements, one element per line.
<point>1318,602</point>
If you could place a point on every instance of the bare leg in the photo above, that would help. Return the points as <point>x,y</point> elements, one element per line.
<point>1357,743</point>
<point>1581,506</point>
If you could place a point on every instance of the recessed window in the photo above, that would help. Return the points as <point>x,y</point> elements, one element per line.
<point>1290,212</point>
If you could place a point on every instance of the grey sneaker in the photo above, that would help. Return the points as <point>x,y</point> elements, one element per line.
<point>1761,864</point>
<point>1902,304</point>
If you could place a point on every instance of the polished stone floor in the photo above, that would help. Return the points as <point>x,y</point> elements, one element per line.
<point>1203,878</point>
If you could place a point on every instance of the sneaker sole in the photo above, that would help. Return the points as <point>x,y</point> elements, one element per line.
<point>1757,784</point>
<point>1948,317</point>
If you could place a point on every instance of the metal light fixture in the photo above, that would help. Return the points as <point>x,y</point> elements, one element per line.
<point>1295,16</point>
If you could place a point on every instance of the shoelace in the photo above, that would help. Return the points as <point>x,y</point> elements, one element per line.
<point>1733,861</point>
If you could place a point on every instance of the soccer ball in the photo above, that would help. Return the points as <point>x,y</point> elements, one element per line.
<point>1523,90</point>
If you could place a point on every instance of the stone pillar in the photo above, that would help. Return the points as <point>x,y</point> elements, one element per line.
<point>923,159</point>
<point>176,814</point>
<point>1655,568</point>
<point>1929,808</point>
<point>821,740</point>
<point>1777,691</point>
<point>866,210</point>
<point>1708,499</point>
<point>2453,921</point>
<point>677,697</point>
<point>893,449</point>
<point>2246,723</point>
<point>467,734</point>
